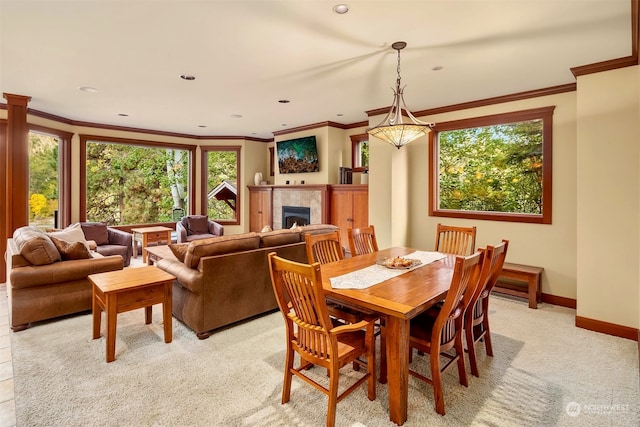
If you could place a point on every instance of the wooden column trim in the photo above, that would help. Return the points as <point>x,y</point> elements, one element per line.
<point>3,196</point>
<point>17,162</point>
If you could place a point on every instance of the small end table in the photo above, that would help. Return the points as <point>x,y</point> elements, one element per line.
<point>148,235</point>
<point>123,290</point>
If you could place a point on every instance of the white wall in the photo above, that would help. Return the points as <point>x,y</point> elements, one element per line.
<point>608,216</point>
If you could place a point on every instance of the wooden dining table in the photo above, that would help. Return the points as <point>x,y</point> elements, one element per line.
<point>398,299</point>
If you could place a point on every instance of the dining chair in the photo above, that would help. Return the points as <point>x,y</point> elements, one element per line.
<point>476,318</point>
<point>311,334</point>
<point>438,331</point>
<point>455,240</point>
<point>324,248</point>
<point>362,240</point>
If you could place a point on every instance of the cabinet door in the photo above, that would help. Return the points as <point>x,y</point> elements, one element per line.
<point>360,209</point>
<point>260,209</point>
<point>342,213</point>
<point>349,209</point>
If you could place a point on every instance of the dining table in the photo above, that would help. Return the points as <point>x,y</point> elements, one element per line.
<point>397,300</point>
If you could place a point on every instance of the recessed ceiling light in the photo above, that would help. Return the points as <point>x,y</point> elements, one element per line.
<point>284,101</point>
<point>88,89</point>
<point>187,77</point>
<point>341,9</point>
<point>437,68</point>
<point>236,116</point>
<point>123,115</point>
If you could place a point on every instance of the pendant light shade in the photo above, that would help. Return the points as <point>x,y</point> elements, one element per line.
<point>392,129</point>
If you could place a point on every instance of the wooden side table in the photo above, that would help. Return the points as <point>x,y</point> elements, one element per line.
<point>148,235</point>
<point>123,290</point>
<point>530,275</point>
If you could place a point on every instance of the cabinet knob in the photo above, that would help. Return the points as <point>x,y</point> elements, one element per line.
<point>259,211</point>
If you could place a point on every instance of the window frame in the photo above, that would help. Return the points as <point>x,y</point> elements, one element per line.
<point>191,149</point>
<point>356,151</point>
<point>544,113</point>
<point>204,157</point>
<point>64,170</point>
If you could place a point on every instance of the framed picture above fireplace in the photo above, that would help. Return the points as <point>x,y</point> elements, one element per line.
<point>298,155</point>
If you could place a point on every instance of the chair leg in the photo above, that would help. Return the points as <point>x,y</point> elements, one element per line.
<point>371,368</point>
<point>333,398</point>
<point>462,372</point>
<point>487,335</point>
<point>383,356</point>
<point>436,380</point>
<point>471,348</point>
<point>286,386</point>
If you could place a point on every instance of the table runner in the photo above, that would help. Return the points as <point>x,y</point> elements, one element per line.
<point>374,274</point>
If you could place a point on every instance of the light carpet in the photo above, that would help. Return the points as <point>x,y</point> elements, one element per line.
<point>545,372</point>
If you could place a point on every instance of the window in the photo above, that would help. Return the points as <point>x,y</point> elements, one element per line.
<point>220,183</point>
<point>130,182</point>
<point>360,152</point>
<point>49,170</point>
<point>494,167</point>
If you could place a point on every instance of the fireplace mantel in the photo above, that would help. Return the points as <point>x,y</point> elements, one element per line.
<point>313,196</point>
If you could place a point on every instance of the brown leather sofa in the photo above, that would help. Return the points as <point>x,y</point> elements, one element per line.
<point>224,280</point>
<point>41,285</point>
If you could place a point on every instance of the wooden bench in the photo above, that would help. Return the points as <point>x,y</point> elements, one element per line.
<point>530,275</point>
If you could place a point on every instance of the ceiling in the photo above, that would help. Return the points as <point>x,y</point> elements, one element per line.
<point>248,55</point>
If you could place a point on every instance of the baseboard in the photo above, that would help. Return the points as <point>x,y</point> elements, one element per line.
<point>561,301</point>
<point>608,328</point>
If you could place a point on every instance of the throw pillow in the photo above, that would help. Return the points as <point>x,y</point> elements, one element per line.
<point>35,246</point>
<point>71,234</point>
<point>68,251</point>
<point>179,250</point>
<point>96,231</point>
<point>198,224</point>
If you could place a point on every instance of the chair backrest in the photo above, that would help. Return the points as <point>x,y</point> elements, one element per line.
<point>465,279</point>
<point>455,240</point>
<point>298,290</point>
<point>491,267</point>
<point>324,248</point>
<point>362,240</point>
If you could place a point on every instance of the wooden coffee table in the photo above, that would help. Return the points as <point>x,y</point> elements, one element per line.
<point>148,235</point>
<point>118,291</point>
<point>156,253</point>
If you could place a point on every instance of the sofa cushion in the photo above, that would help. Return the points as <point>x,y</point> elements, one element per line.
<point>179,250</point>
<point>96,231</point>
<point>76,250</point>
<point>279,237</point>
<point>35,246</point>
<point>197,224</point>
<point>218,246</point>
<point>71,234</point>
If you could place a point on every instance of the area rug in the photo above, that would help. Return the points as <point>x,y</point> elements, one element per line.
<point>545,372</point>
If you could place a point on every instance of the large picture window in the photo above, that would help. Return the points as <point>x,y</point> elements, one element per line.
<point>49,171</point>
<point>220,183</point>
<point>135,182</point>
<point>493,167</point>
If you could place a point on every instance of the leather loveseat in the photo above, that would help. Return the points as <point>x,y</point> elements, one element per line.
<point>44,283</point>
<point>224,280</point>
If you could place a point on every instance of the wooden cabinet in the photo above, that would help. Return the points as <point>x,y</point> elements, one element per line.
<point>260,207</point>
<point>349,208</point>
